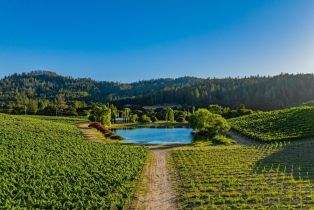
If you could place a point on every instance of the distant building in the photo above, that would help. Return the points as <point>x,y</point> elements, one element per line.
<point>119,120</point>
<point>163,106</point>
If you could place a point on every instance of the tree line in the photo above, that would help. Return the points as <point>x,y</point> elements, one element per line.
<point>208,123</point>
<point>264,93</point>
<point>256,92</point>
<point>108,114</point>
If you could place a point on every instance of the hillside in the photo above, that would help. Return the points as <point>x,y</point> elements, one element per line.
<point>45,84</point>
<point>47,165</point>
<point>257,92</point>
<point>287,124</point>
<point>266,93</point>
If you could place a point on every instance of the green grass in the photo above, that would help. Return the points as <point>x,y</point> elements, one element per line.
<point>47,165</point>
<point>286,124</point>
<point>274,176</point>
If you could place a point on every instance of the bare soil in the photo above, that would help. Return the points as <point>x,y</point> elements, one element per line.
<point>156,191</point>
<point>89,134</point>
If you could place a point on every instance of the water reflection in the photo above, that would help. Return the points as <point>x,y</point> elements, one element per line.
<point>156,135</point>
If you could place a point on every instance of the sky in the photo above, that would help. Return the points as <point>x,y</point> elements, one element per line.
<point>135,40</point>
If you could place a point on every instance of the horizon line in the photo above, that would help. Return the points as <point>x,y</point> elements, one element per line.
<point>160,78</point>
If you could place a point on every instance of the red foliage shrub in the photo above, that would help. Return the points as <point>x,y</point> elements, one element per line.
<point>99,127</point>
<point>106,131</point>
<point>107,135</point>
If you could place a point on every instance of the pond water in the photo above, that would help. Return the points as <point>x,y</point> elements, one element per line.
<point>156,135</point>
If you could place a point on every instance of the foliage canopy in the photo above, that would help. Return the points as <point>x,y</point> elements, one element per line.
<point>205,122</point>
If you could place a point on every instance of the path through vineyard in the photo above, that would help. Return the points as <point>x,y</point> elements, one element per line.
<point>89,133</point>
<point>155,188</point>
<point>159,192</point>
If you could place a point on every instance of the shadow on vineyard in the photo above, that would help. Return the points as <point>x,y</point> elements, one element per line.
<point>293,158</point>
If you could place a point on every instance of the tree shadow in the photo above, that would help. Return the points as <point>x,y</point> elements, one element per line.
<point>293,158</point>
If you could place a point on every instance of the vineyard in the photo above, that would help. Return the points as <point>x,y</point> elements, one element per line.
<point>60,119</point>
<point>46,165</point>
<point>286,124</point>
<point>275,176</point>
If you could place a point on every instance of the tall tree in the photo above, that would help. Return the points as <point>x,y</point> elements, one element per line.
<point>170,115</point>
<point>22,100</point>
<point>60,103</point>
<point>206,123</point>
<point>32,107</point>
<point>126,114</point>
<point>106,116</point>
<point>114,113</point>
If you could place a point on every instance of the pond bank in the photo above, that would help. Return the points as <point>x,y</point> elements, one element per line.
<point>161,124</point>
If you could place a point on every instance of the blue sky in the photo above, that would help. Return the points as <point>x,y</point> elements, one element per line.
<point>135,40</point>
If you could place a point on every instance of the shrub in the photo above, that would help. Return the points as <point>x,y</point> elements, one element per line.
<point>99,127</point>
<point>105,131</point>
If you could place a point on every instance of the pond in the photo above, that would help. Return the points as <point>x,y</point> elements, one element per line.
<point>156,135</point>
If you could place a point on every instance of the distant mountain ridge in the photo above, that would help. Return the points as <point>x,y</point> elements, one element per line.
<point>47,84</point>
<point>259,92</point>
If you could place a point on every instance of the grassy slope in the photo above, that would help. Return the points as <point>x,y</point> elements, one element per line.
<point>44,164</point>
<point>286,124</point>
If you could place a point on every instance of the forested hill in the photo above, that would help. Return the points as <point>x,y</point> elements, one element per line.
<point>264,93</point>
<point>45,84</point>
<point>255,92</point>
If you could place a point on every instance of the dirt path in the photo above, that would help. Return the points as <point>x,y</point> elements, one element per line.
<point>89,134</point>
<point>157,191</point>
<point>243,139</point>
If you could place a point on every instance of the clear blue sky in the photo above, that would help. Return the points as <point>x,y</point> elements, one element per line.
<point>135,40</point>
